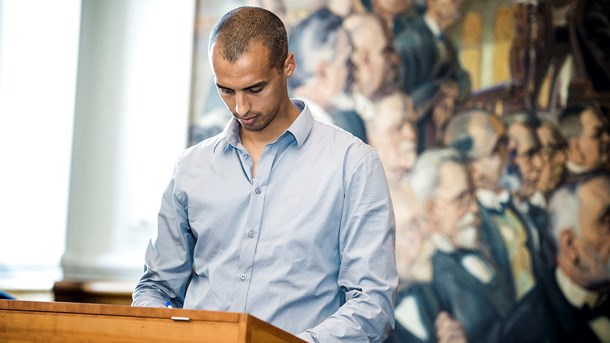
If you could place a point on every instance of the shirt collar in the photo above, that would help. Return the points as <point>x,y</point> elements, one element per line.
<point>575,294</point>
<point>492,200</point>
<point>300,128</point>
<point>433,26</point>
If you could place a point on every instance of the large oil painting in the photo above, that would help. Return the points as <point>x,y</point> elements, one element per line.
<point>491,119</point>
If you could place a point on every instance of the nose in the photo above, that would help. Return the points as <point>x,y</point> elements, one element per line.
<point>242,105</point>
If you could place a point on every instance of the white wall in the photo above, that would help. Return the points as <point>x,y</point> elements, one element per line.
<point>131,123</point>
<point>38,58</point>
<point>140,108</point>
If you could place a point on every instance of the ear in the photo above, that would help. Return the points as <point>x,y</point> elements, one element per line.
<point>567,245</point>
<point>290,65</point>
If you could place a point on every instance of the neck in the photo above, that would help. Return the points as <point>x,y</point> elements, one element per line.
<point>285,116</point>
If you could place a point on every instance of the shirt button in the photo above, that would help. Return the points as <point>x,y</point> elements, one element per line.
<point>243,277</point>
<point>251,234</point>
<point>244,155</point>
<point>257,190</point>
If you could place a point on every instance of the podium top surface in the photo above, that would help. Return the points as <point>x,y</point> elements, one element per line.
<point>32,321</point>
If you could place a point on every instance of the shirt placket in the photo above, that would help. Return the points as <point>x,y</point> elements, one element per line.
<point>251,231</point>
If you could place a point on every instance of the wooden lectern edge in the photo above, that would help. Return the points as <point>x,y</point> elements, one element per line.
<point>118,310</point>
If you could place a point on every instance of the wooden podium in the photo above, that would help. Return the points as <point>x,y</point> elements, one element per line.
<point>29,321</point>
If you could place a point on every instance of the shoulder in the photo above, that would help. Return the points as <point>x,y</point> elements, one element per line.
<point>335,148</point>
<point>207,146</point>
<point>202,152</point>
<point>338,140</point>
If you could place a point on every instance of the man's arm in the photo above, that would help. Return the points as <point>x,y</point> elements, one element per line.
<point>367,273</point>
<point>168,258</point>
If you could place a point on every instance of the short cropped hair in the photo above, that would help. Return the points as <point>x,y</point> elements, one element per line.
<point>243,26</point>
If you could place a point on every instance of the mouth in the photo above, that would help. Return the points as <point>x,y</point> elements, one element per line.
<point>245,121</point>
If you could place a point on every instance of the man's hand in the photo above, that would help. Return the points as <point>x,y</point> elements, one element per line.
<point>449,330</point>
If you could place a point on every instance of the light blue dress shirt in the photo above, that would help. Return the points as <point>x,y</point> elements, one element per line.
<point>307,245</point>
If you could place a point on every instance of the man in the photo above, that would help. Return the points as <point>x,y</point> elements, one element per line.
<point>464,286</point>
<point>430,68</point>
<point>374,59</point>
<point>586,132</point>
<point>554,156</point>
<point>526,159</point>
<point>326,72</point>
<point>516,244</point>
<point>572,303</point>
<point>279,216</point>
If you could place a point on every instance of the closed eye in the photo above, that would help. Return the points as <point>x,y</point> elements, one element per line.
<point>226,90</point>
<point>257,88</point>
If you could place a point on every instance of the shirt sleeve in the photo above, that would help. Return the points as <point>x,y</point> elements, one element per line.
<point>169,256</point>
<point>367,274</point>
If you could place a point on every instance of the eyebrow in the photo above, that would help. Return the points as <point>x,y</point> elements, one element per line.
<point>533,150</point>
<point>256,85</point>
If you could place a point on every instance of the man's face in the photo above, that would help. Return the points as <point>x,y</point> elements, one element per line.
<point>593,242</point>
<point>527,157</point>
<point>489,169</point>
<point>553,159</point>
<point>449,11</point>
<point>395,140</point>
<point>455,212</point>
<point>594,140</point>
<point>372,58</point>
<point>251,88</point>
